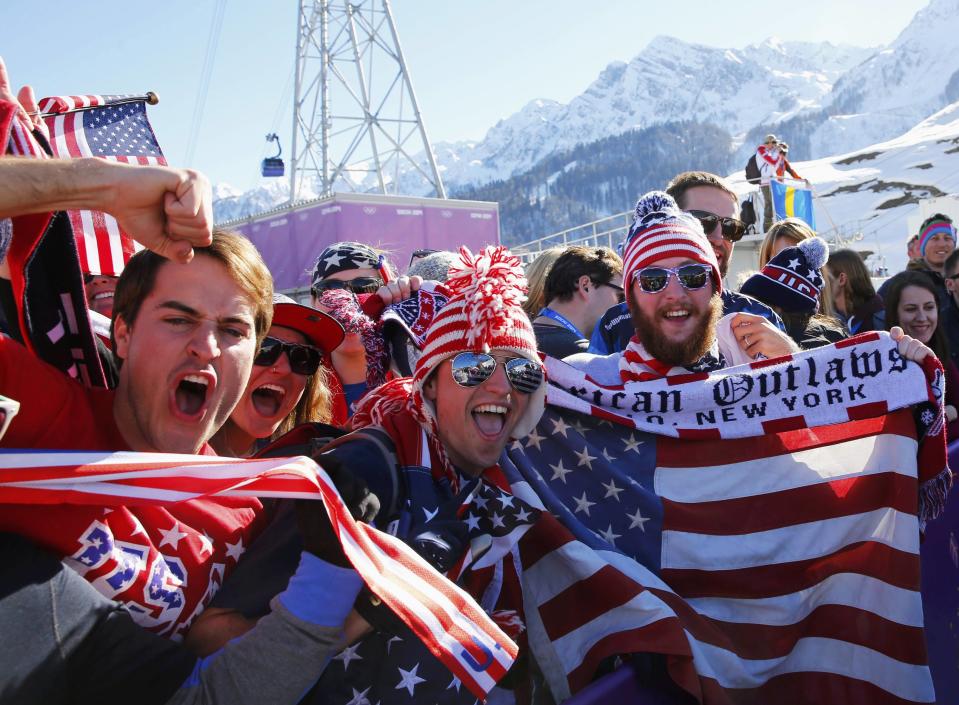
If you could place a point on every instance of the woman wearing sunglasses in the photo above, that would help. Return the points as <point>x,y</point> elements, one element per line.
<point>288,385</point>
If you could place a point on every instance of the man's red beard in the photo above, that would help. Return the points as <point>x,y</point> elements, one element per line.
<point>684,352</point>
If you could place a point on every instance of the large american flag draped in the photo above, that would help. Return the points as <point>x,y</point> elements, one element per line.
<point>111,127</point>
<point>451,625</point>
<point>767,567</point>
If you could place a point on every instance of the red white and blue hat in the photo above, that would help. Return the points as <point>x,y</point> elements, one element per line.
<point>661,230</point>
<point>791,280</point>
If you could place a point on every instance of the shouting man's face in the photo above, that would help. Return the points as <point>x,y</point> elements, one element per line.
<point>676,325</point>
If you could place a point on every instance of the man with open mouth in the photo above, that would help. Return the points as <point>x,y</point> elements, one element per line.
<point>673,282</point>
<point>422,444</point>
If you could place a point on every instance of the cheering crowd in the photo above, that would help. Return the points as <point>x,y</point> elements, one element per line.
<point>406,388</point>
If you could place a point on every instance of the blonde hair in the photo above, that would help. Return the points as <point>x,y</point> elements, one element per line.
<point>795,231</point>
<point>315,404</point>
<point>536,272</point>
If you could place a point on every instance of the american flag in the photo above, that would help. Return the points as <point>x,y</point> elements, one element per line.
<point>46,277</point>
<point>449,623</point>
<point>114,128</point>
<point>778,567</point>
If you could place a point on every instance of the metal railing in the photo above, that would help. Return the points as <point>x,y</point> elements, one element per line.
<point>605,232</point>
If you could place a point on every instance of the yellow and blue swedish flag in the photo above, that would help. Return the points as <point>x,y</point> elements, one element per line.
<point>792,202</point>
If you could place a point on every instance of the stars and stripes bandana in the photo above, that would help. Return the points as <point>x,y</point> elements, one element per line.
<point>757,525</point>
<point>444,617</point>
<point>115,128</point>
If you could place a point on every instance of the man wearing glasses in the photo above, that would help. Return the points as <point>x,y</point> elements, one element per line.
<point>581,285</point>
<point>713,202</point>
<point>674,292</point>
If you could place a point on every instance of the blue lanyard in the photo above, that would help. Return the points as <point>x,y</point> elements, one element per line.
<point>562,320</point>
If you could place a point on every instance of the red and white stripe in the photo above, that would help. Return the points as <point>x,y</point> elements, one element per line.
<point>103,247</point>
<point>66,103</point>
<point>445,617</point>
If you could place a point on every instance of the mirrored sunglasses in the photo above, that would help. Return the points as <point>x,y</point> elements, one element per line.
<point>304,359</point>
<point>652,280</point>
<point>732,229</point>
<point>471,369</point>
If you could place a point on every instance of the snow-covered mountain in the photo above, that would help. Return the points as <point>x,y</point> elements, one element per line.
<point>824,99</point>
<point>669,80</point>
<point>888,93</point>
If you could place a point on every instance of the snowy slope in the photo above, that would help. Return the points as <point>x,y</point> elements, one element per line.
<point>897,87</point>
<point>874,190</point>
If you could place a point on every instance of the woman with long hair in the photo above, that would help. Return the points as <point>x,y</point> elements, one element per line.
<point>536,272</point>
<point>288,385</point>
<point>853,295</point>
<point>912,303</point>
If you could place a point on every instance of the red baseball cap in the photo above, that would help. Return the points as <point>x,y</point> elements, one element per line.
<point>321,330</point>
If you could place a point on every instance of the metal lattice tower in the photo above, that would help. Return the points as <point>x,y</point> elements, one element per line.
<point>356,122</point>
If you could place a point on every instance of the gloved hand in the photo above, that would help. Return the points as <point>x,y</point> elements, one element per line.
<point>441,542</point>
<point>317,532</point>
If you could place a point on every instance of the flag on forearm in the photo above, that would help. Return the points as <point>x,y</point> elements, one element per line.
<point>767,565</point>
<point>444,617</point>
<point>45,272</point>
<point>792,202</point>
<point>111,127</point>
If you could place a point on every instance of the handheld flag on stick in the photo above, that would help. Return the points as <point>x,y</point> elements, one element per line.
<point>115,128</point>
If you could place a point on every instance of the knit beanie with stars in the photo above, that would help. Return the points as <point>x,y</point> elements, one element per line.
<point>343,257</point>
<point>791,281</point>
<point>661,230</point>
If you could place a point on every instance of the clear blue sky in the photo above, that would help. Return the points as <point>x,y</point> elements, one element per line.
<point>473,62</point>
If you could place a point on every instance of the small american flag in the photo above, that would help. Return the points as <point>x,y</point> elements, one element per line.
<point>776,567</point>
<point>114,128</point>
<point>452,626</point>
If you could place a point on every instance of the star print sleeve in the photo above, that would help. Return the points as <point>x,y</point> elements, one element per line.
<point>286,652</point>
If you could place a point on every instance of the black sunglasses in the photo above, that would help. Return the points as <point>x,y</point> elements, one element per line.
<point>471,369</point>
<point>304,359</point>
<point>360,285</point>
<point>420,254</point>
<point>652,280</point>
<point>620,291</point>
<point>732,229</point>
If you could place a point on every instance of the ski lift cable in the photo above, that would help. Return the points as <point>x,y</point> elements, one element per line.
<point>277,116</point>
<point>213,41</point>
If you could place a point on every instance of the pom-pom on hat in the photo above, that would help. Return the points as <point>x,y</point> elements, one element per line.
<point>933,226</point>
<point>791,280</point>
<point>661,230</point>
<point>484,313</point>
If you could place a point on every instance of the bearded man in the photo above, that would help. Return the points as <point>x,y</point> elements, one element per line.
<point>674,292</point>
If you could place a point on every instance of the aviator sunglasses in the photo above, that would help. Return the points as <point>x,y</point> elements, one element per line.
<point>304,359</point>
<point>360,285</point>
<point>732,229</point>
<point>471,369</point>
<point>652,280</point>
